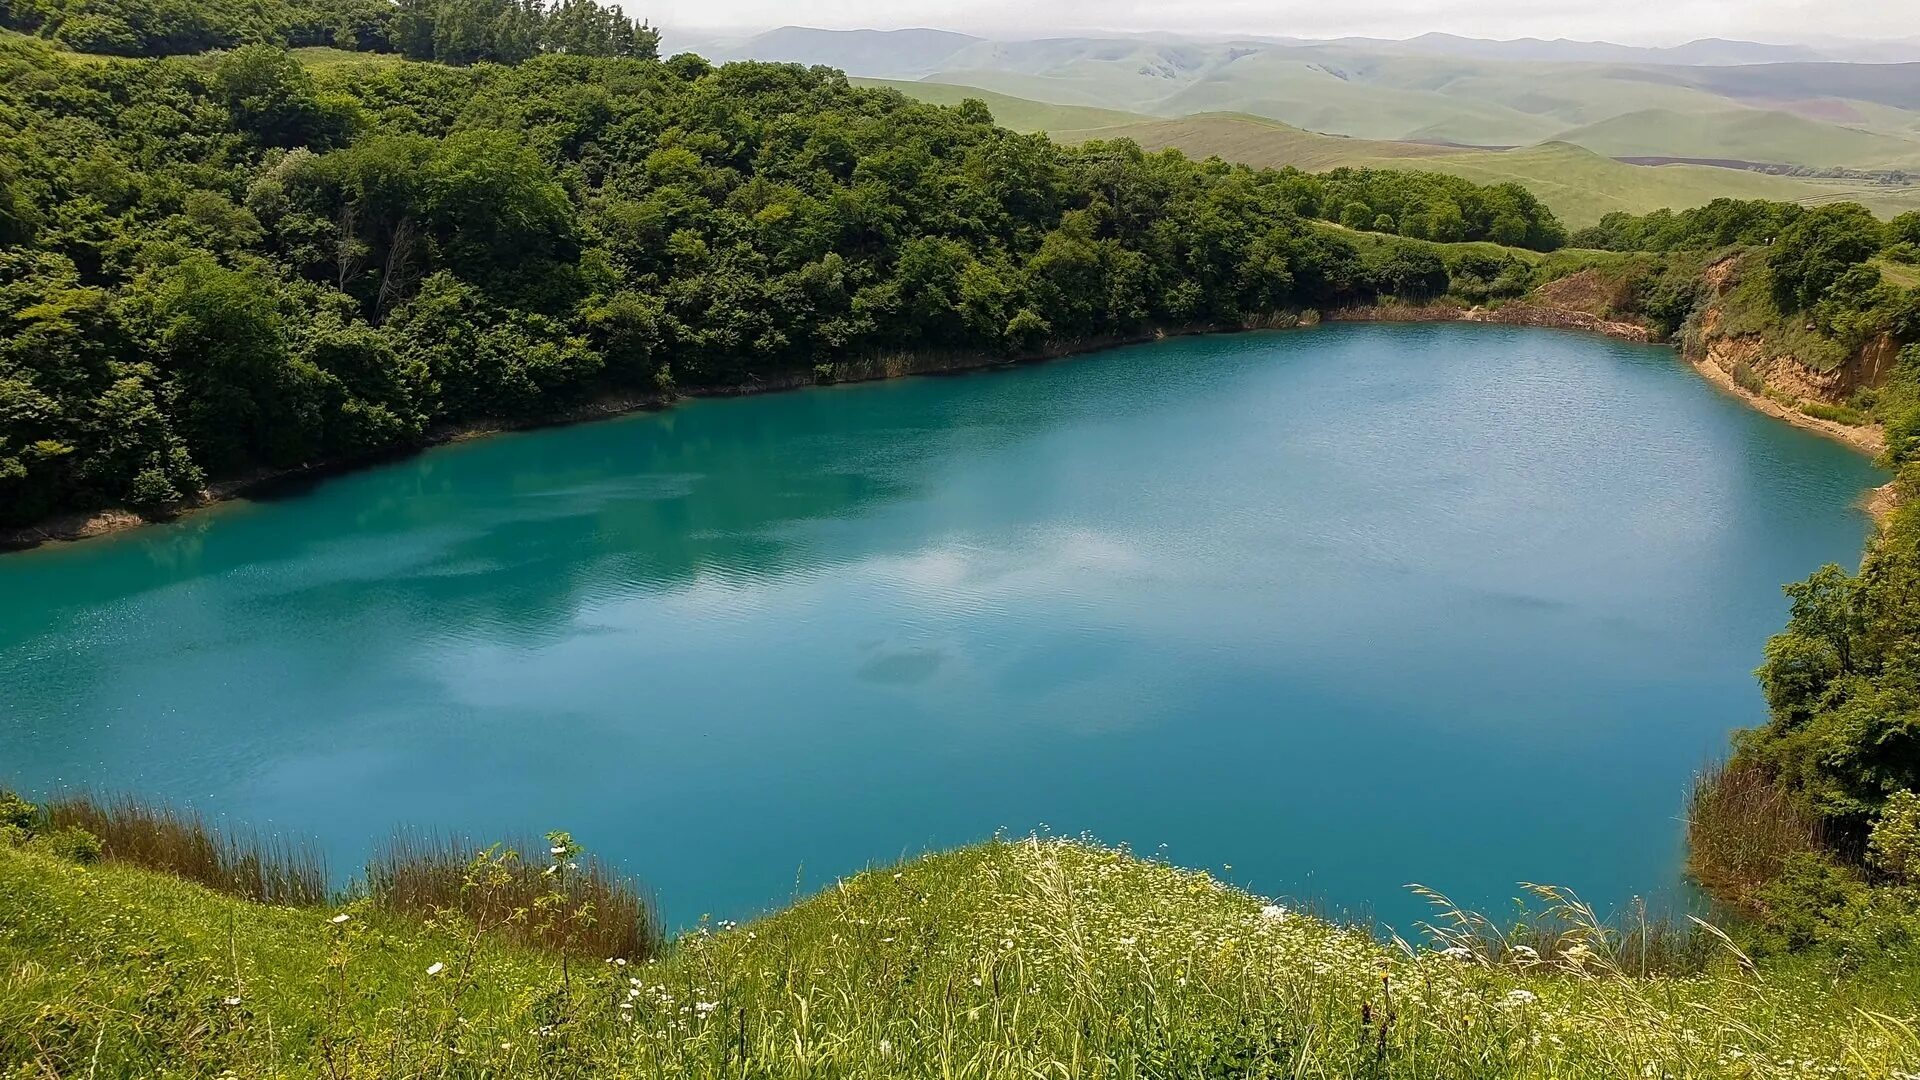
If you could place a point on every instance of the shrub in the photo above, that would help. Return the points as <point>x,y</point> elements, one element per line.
<point>1894,844</point>
<point>72,843</point>
<point>556,899</point>
<point>17,812</point>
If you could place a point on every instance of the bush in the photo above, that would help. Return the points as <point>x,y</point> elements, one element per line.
<point>72,844</point>
<point>1894,844</point>
<point>546,895</point>
<point>16,812</point>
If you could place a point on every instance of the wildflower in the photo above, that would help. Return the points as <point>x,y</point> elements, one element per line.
<point>556,850</point>
<point>626,1004</point>
<point>1273,913</point>
<point>1457,952</point>
<point>1521,997</point>
<point>886,1047</point>
<point>1526,954</point>
<point>232,1001</point>
<point>340,918</point>
<point>436,968</point>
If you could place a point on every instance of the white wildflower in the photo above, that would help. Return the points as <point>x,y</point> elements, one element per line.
<point>1521,997</point>
<point>232,1001</point>
<point>1457,952</point>
<point>1273,913</point>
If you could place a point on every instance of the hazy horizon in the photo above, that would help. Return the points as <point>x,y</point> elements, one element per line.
<point>1626,22</point>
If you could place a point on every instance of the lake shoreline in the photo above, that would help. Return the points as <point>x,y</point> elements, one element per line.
<point>87,525</point>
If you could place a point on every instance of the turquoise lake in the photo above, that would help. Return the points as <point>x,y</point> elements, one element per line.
<point>1342,608</point>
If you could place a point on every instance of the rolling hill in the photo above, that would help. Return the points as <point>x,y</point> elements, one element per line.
<point>1577,183</point>
<point>1746,135</point>
<point>1776,105</point>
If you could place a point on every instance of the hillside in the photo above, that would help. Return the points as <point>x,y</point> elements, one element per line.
<point>1027,958</point>
<point>1746,135</point>
<point>1786,105</point>
<point>1577,184</point>
<point>1020,114</point>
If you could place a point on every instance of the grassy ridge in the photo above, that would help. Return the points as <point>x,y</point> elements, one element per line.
<point>1030,958</point>
<point>1579,184</point>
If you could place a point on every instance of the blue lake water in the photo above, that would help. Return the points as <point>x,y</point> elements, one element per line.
<point>1343,608</point>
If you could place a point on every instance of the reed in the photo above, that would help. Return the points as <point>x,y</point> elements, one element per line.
<point>1741,827</point>
<point>1565,935</point>
<point>250,865</point>
<point>523,891</point>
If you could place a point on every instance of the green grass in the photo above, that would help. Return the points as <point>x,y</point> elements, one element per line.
<point>1580,186</point>
<point>1020,114</point>
<point>1745,135</point>
<point>1863,117</point>
<point>1035,958</point>
<point>321,58</point>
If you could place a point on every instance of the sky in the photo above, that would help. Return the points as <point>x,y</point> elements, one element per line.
<point>1636,22</point>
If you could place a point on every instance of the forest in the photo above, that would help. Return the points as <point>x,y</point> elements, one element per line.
<point>233,261</point>
<point>449,31</point>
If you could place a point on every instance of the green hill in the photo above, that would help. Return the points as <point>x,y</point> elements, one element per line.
<point>1819,115</point>
<point>1020,114</point>
<point>1745,135</point>
<point>1577,183</point>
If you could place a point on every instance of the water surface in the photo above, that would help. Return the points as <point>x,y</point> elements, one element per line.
<point>1343,608</point>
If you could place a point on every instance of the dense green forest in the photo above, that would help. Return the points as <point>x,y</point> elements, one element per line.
<point>228,262</point>
<point>450,31</point>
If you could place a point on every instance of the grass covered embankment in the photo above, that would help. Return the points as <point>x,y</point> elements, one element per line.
<point>1028,958</point>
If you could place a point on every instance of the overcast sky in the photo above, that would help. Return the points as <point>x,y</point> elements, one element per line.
<point>1660,22</point>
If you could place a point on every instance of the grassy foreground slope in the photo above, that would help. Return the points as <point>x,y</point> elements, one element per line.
<point>1029,958</point>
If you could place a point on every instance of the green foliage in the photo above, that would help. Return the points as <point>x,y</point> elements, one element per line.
<point>240,263</point>
<point>1430,206</point>
<point>451,31</point>
<point>70,844</point>
<point>1408,271</point>
<point>1818,249</point>
<point>1720,223</point>
<point>1843,686</point>
<point>16,812</point>
<point>1894,844</point>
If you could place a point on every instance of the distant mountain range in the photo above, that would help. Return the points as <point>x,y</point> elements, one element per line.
<point>1802,106</point>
